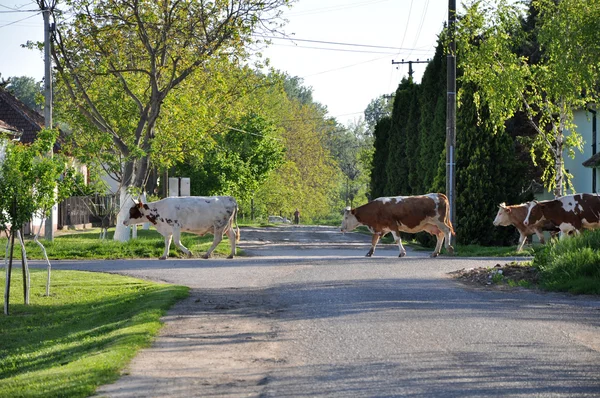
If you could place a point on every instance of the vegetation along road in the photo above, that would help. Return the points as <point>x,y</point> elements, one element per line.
<point>306,314</point>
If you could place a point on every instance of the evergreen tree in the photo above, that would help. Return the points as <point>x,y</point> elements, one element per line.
<point>380,156</point>
<point>397,164</point>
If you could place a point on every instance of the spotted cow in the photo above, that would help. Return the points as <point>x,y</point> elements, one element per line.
<point>515,215</point>
<point>196,214</point>
<point>570,213</point>
<point>403,214</point>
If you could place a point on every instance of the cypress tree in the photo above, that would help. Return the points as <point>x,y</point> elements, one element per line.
<point>380,155</point>
<point>397,165</point>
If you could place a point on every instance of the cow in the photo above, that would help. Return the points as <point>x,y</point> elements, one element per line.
<point>515,215</point>
<point>403,214</point>
<point>570,213</point>
<point>197,214</point>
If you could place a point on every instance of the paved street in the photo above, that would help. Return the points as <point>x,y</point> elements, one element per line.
<point>306,314</point>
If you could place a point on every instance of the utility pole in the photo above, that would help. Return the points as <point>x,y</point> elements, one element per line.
<point>49,229</point>
<point>410,64</point>
<point>451,113</point>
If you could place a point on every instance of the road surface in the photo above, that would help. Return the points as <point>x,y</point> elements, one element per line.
<point>305,314</point>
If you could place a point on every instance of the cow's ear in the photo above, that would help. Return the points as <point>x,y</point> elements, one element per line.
<point>502,205</point>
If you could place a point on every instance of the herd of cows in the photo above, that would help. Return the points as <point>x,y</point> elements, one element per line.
<point>430,213</point>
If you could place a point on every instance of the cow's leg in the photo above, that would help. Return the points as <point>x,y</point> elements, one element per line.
<point>231,234</point>
<point>167,247</point>
<point>447,235</point>
<point>401,248</point>
<point>177,240</point>
<point>540,235</point>
<point>374,240</point>
<point>218,237</point>
<point>522,240</point>
<point>438,246</point>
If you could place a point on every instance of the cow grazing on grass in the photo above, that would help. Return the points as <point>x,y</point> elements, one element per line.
<point>515,215</point>
<point>570,213</point>
<point>403,214</point>
<point>196,214</point>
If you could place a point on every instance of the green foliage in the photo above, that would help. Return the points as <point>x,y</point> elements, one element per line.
<point>488,173</point>
<point>29,177</point>
<point>380,156</point>
<point>80,337</point>
<point>27,90</point>
<point>240,161</point>
<point>571,264</point>
<point>548,81</point>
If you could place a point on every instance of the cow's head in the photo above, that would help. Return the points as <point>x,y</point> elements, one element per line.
<point>534,213</point>
<point>503,215</point>
<point>137,214</point>
<point>349,222</point>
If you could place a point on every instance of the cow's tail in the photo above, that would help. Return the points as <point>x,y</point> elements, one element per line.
<point>447,216</point>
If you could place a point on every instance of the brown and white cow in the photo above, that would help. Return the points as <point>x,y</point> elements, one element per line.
<point>570,213</point>
<point>403,214</point>
<point>196,214</point>
<point>515,215</point>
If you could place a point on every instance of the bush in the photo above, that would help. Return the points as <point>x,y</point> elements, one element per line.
<point>571,264</point>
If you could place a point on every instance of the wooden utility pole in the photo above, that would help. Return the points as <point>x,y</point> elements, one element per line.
<point>49,229</point>
<point>451,113</point>
<point>410,63</point>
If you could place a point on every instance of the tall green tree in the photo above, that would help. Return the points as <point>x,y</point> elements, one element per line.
<point>380,157</point>
<point>119,62</point>
<point>27,90</point>
<point>548,84</point>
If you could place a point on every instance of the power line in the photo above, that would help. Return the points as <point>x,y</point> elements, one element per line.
<point>338,49</point>
<point>336,43</point>
<point>21,20</point>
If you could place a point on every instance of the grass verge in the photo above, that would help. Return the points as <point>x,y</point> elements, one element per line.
<point>80,337</point>
<point>87,245</point>
<point>571,264</point>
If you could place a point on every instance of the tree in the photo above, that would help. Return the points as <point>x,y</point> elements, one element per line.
<point>27,90</point>
<point>28,178</point>
<point>377,109</point>
<point>119,62</point>
<point>558,75</point>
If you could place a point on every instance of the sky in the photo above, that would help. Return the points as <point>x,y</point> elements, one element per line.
<point>342,49</point>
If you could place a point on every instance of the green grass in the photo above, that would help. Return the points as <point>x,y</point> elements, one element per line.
<point>572,264</point>
<point>87,245</point>
<point>80,337</point>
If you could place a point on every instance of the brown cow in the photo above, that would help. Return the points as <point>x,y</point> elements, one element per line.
<point>403,214</point>
<point>571,213</point>
<point>515,215</point>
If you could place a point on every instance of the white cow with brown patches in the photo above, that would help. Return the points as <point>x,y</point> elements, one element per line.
<point>571,213</point>
<point>403,214</point>
<point>196,214</point>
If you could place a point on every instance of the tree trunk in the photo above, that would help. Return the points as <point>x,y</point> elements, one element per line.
<point>126,201</point>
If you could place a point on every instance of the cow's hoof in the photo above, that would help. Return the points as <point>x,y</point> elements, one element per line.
<point>450,250</point>
<point>230,256</point>
<point>402,255</point>
<point>206,256</point>
<point>162,258</point>
<point>433,255</point>
<point>369,254</point>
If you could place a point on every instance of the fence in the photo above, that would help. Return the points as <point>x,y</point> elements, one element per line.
<point>80,210</point>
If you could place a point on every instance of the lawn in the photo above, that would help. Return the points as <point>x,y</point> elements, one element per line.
<point>80,337</point>
<point>87,245</point>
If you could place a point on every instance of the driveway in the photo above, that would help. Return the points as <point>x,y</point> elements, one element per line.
<point>306,314</point>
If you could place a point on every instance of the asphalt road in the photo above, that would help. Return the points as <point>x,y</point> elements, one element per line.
<point>306,314</point>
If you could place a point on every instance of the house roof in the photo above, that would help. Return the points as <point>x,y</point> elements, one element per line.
<point>7,129</point>
<point>20,117</point>
<point>594,161</point>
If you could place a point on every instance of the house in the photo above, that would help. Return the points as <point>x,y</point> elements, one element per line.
<point>583,167</point>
